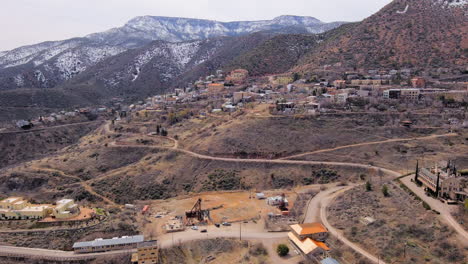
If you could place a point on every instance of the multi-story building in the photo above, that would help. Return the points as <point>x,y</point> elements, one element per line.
<point>147,253</point>
<point>443,181</point>
<point>309,238</point>
<point>409,94</point>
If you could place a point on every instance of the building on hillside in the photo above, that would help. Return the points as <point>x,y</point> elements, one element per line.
<point>409,94</point>
<point>102,245</point>
<point>238,76</point>
<point>368,82</point>
<point>147,253</point>
<point>241,97</point>
<point>418,82</point>
<point>65,208</point>
<point>443,181</point>
<point>340,84</point>
<point>341,98</point>
<point>16,208</point>
<point>309,238</point>
<point>215,88</point>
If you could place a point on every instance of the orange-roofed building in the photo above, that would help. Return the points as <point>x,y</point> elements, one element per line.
<point>309,238</point>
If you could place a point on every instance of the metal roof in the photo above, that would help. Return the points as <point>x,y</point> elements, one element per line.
<point>329,261</point>
<point>108,242</point>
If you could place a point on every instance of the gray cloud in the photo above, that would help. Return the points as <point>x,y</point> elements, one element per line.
<point>24,22</point>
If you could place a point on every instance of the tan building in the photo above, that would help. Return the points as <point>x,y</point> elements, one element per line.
<point>215,87</point>
<point>16,208</point>
<point>309,238</point>
<point>147,253</point>
<point>340,84</point>
<point>65,208</point>
<point>369,82</point>
<point>442,181</point>
<point>238,76</point>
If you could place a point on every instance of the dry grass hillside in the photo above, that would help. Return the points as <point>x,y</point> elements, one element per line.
<point>20,147</point>
<point>427,34</point>
<point>279,137</point>
<point>403,231</point>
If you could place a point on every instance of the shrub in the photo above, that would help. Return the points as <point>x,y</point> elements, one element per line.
<point>385,190</point>
<point>258,250</point>
<point>282,250</point>
<point>368,186</point>
<point>426,206</point>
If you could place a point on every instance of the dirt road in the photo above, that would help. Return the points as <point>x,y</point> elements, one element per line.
<point>48,128</point>
<point>368,144</point>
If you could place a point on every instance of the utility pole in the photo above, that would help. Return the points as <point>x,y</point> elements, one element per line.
<point>240,230</point>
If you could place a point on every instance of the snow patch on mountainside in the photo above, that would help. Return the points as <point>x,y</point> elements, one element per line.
<point>69,65</point>
<point>19,80</point>
<point>452,3</point>
<point>184,52</point>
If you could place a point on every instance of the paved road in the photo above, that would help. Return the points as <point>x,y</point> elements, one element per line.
<point>437,205</point>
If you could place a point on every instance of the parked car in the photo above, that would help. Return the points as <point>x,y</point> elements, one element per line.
<point>194,227</point>
<point>217,225</point>
<point>203,231</point>
<point>226,224</point>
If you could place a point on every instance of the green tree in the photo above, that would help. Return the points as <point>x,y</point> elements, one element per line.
<point>282,250</point>
<point>385,190</point>
<point>368,186</point>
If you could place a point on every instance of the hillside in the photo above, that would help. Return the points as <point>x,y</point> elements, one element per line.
<point>276,55</point>
<point>405,33</point>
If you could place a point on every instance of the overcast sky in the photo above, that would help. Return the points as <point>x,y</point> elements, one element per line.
<point>24,22</point>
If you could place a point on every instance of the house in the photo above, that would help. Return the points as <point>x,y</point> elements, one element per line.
<point>102,245</point>
<point>309,238</point>
<point>65,208</point>
<point>147,253</point>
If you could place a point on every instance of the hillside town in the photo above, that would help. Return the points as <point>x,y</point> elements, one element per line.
<point>192,140</point>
